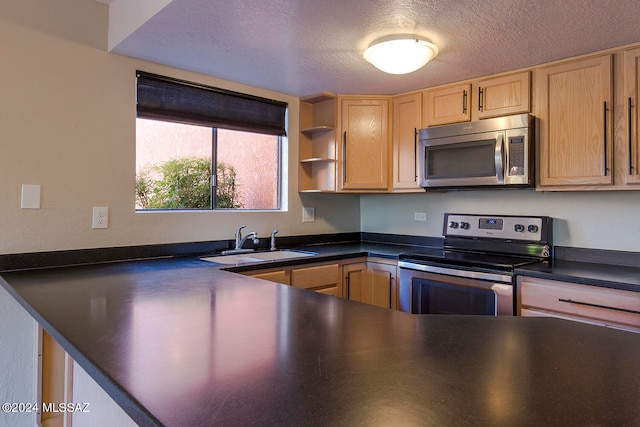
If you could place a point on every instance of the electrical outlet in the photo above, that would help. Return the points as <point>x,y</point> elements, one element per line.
<point>308,214</point>
<point>420,216</point>
<point>100,218</point>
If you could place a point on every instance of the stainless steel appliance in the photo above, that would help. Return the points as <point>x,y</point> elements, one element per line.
<point>474,272</point>
<point>485,153</point>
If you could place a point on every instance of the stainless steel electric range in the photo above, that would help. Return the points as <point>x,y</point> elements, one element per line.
<point>474,272</point>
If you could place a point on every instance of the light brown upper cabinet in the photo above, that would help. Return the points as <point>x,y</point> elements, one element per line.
<point>503,95</point>
<point>365,143</point>
<point>407,119</point>
<point>631,162</point>
<point>447,104</point>
<point>574,103</point>
<point>479,99</point>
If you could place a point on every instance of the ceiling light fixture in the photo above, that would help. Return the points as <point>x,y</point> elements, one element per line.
<point>400,54</point>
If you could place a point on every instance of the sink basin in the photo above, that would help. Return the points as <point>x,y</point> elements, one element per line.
<point>258,257</point>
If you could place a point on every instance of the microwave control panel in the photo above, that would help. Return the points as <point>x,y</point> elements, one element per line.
<point>516,155</point>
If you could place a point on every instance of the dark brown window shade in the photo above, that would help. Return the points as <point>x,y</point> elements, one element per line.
<point>168,99</point>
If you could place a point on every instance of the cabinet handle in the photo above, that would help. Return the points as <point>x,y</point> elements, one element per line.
<point>344,157</point>
<point>605,138</point>
<point>415,153</point>
<point>499,158</point>
<point>588,304</point>
<point>480,93</point>
<point>464,102</point>
<point>630,130</point>
<point>347,283</point>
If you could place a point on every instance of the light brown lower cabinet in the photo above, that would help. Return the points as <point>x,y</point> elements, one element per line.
<point>368,280</point>
<point>324,279</point>
<point>613,308</point>
<point>277,276</point>
<point>353,280</point>
<point>371,283</point>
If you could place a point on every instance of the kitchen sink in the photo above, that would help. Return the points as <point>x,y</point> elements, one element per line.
<point>252,257</point>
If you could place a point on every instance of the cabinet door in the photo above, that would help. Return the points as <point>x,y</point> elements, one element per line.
<point>381,284</point>
<point>447,105</point>
<point>575,100</point>
<point>632,116</point>
<point>354,281</point>
<point>365,144</point>
<point>324,279</point>
<point>370,283</point>
<point>407,119</point>
<point>504,95</point>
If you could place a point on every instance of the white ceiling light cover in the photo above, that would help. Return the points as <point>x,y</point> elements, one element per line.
<point>400,54</point>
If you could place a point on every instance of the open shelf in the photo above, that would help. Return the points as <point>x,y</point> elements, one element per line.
<point>317,159</point>
<point>317,162</point>
<point>317,129</point>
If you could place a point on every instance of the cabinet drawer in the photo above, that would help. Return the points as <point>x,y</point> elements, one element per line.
<point>278,276</point>
<point>323,276</point>
<point>590,302</point>
<point>333,291</point>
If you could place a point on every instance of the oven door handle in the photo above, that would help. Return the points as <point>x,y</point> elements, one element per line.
<point>481,275</point>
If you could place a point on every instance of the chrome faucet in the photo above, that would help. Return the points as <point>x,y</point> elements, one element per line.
<point>252,235</point>
<point>273,239</point>
<point>240,239</point>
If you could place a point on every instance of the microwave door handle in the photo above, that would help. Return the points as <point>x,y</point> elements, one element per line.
<point>499,158</point>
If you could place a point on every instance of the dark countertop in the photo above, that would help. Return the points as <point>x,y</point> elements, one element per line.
<point>179,342</point>
<point>593,274</point>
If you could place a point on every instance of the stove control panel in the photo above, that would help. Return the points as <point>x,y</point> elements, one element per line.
<point>495,227</point>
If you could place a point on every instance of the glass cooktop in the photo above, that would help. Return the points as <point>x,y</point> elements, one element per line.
<point>468,259</point>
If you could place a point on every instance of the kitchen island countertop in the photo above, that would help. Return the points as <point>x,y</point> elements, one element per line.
<point>181,342</point>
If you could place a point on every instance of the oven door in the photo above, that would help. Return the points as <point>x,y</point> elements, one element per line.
<point>467,160</point>
<point>427,289</point>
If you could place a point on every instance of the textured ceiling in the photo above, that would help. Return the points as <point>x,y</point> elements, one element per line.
<point>302,47</point>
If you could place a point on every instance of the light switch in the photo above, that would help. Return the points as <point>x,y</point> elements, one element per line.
<point>30,197</point>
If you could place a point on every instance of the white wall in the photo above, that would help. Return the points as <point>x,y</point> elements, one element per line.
<point>602,220</point>
<point>67,122</point>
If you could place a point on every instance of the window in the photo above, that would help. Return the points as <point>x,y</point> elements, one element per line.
<point>199,147</point>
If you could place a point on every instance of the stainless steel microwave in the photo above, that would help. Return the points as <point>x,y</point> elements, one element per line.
<point>493,152</point>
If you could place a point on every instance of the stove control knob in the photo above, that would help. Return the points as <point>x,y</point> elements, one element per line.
<point>464,225</point>
<point>519,228</point>
<point>453,224</point>
<point>532,228</point>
